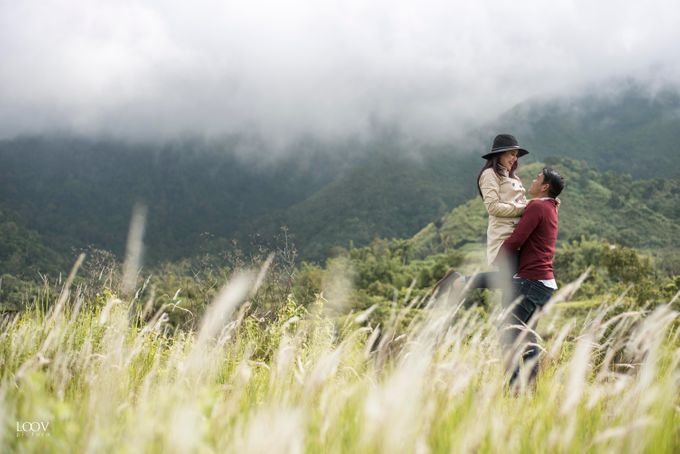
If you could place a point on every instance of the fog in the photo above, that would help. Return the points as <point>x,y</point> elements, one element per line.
<point>327,69</point>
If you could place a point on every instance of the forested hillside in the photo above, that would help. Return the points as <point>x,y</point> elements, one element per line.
<point>70,194</point>
<point>391,195</point>
<point>630,130</point>
<point>23,252</point>
<point>77,193</point>
<point>613,207</point>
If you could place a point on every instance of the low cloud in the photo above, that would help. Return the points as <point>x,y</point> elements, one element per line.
<point>328,69</point>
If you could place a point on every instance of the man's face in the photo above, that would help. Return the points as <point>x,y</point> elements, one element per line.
<point>538,188</point>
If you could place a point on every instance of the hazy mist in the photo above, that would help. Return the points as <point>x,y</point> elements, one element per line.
<point>326,69</point>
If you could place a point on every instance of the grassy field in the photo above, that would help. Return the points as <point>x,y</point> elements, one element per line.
<point>109,375</point>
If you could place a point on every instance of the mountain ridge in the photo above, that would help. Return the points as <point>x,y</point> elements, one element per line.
<point>594,204</point>
<point>75,194</point>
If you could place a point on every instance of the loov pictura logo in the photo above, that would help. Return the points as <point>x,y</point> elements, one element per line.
<point>32,428</point>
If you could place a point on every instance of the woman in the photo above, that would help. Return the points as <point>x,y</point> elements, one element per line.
<point>502,191</point>
<point>504,197</point>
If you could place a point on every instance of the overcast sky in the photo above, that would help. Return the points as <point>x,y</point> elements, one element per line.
<point>330,68</point>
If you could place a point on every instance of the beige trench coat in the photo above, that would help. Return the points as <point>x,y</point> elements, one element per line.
<point>505,200</point>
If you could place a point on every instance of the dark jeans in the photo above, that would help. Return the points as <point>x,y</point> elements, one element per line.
<point>522,304</point>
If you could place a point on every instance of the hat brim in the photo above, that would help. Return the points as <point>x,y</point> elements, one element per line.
<point>520,152</point>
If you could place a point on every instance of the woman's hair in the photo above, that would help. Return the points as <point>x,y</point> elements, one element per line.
<point>494,163</point>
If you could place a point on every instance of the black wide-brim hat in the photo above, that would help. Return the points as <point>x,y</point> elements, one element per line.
<point>505,142</point>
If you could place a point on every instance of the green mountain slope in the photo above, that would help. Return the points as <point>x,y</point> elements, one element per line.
<point>74,193</point>
<point>628,129</point>
<point>642,214</point>
<point>23,252</point>
<point>77,192</point>
<point>387,196</point>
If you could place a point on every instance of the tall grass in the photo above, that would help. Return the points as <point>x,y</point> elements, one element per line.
<point>110,377</point>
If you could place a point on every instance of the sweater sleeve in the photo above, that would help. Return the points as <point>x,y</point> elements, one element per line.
<point>532,217</point>
<point>490,188</point>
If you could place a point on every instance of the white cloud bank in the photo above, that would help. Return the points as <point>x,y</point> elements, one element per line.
<point>329,68</point>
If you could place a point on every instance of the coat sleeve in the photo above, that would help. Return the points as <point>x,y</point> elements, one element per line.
<point>491,193</point>
<point>528,223</point>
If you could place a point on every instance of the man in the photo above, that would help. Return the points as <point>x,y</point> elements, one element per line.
<point>533,285</point>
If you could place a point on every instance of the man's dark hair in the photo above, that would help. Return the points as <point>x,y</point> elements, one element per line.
<point>554,181</point>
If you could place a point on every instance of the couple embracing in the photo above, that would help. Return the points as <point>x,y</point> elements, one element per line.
<point>521,238</point>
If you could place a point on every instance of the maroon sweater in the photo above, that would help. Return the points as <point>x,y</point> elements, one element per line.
<point>535,237</point>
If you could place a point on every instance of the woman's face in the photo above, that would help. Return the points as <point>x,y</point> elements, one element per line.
<point>508,159</point>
